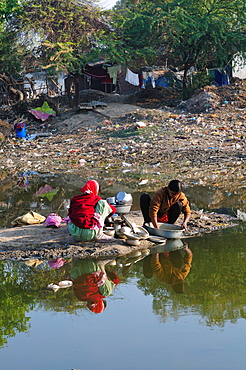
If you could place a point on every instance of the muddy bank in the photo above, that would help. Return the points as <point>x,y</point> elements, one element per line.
<point>38,241</point>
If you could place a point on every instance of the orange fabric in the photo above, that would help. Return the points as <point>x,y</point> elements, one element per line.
<point>160,202</point>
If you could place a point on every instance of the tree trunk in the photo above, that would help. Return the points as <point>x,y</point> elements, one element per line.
<point>185,77</point>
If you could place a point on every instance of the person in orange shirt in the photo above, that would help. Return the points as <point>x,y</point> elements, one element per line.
<point>166,205</point>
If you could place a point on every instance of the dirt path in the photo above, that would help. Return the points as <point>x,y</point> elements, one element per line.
<point>94,118</point>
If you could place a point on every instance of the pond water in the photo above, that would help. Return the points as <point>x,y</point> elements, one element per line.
<point>48,193</point>
<point>145,324</point>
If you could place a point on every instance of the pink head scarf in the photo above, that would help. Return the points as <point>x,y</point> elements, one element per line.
<point>91,187</point>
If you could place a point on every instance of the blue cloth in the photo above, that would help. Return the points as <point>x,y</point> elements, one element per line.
<point>149,80</point>
<point>220,78</point>
<point>162,81</point>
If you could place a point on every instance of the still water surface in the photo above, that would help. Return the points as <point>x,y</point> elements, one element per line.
<point>24,193</point>
<point>145,325</point>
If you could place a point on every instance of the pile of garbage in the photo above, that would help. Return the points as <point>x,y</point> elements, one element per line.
<point>144,148</point>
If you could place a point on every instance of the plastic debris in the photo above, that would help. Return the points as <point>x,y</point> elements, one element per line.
<point>43,112</point>
<point>143,182</point>
<point>140,124</point>
<point>53,286</point>
<point>241,215</point>
<point>56,264</point>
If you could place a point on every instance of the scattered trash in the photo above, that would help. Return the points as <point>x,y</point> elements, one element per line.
<point>53,286</point>
<point>82,162</point>
<point>47,191</point>
<point>140,124</point>
<point>61,285</point>
<point>56,264</point>
<point>43,112</point>
<point>23,182</point>
<point>65,283</point>
<point>143,182</point>
<point>241,215</point>
<point>221,162</point>
<point>20,129</point>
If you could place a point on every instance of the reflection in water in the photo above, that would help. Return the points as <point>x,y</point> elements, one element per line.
<point>169,267</point>
<point>215,285</point>
<point>92,282</point>
<point>57,263</point>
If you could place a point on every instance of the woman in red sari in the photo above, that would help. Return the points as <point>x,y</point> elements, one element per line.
<point>87,214</point>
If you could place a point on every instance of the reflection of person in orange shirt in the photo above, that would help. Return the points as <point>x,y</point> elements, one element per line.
<point>170,268</point>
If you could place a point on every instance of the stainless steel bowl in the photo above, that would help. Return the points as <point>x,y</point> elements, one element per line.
<point>122,208</point>
<point>168,246</point>
<point>165,230</point>
<point>133,241</point>
<point>110,200</point>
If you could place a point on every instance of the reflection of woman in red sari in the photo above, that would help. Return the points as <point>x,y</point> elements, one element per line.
<point>92,283</point>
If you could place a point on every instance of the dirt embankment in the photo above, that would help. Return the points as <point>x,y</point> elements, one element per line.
<point>40,242</point>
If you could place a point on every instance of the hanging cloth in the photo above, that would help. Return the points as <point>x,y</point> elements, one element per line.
<point>132,78</point>
<point>113,73</point>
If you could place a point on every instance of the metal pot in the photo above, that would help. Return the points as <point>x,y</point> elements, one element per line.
<point>124,198</point>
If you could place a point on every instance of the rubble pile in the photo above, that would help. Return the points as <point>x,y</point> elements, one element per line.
<point>157,97</point>
<point>213,97</point>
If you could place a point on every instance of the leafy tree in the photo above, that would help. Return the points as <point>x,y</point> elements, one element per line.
<point>23,288</point>
<point>215,288</point>
<point>200,32</point>
<point>188,33</point>
<point>132,40</point>
<point>11,53</point>
<point>13,303</point>
<point>65,31</point>
<point>8,8</point>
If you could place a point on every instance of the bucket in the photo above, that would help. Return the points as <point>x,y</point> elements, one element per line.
<point>20,129</point>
